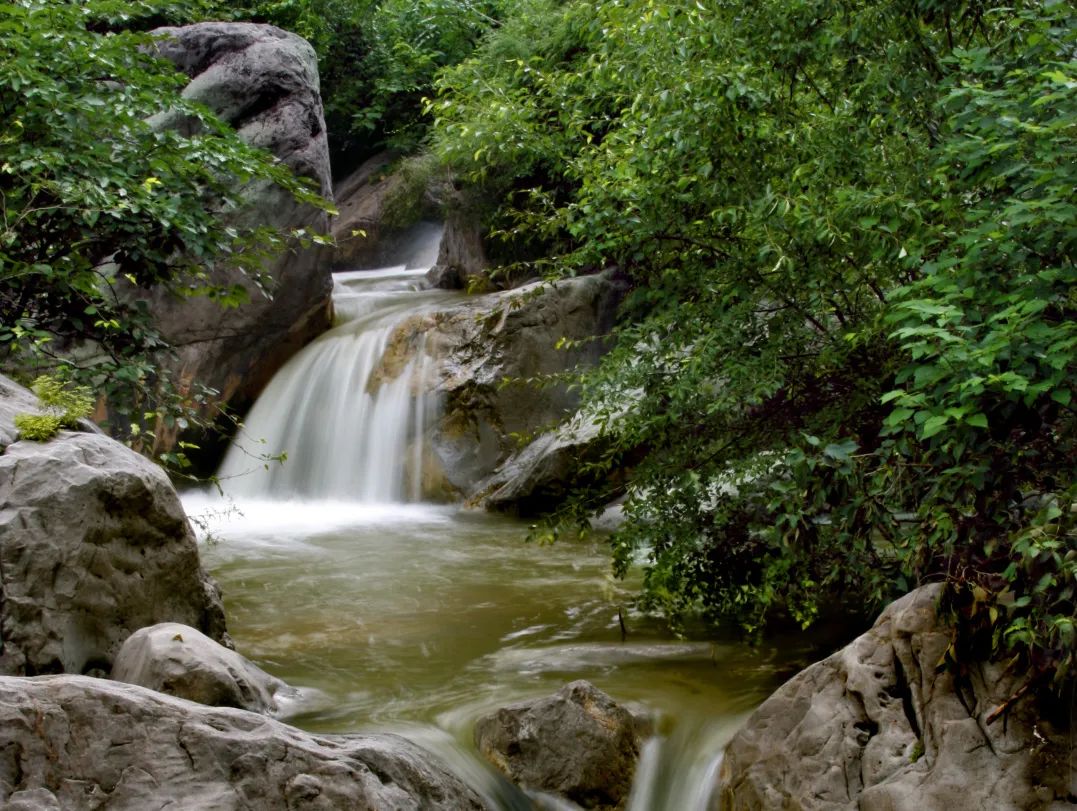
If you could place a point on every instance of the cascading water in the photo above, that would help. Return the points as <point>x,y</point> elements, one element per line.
<point>348,413</point>
<point>419,619</point>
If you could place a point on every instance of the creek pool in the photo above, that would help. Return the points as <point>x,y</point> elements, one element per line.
<point>419,619</point>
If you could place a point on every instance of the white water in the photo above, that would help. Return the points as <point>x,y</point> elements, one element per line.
<point>348,425</point>
<point>420,619</point>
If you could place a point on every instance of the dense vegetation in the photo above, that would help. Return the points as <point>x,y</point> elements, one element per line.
<point>98,204</point>
<point>848,361</point>
<point>377,59</point>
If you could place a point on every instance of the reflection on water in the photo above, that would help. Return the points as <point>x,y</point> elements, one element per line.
<point>418,619</point>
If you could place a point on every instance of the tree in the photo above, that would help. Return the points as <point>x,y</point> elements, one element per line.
<point>97,203</point>
<point>847,362</point>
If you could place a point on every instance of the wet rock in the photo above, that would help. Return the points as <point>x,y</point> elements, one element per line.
<point>875,728</point>
<point>93,545</point>
<point>263,82</point>
<point>512,335</point>
<point>461,262</point>
<point>78,743</point>
<point>578,744</point>
<point>181,661</point>
<point>543,472</point>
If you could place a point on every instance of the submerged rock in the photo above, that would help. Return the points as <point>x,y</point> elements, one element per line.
<point>94,545</point>
<point>263,82</point>
<point>181,661</point>
<point>877,727</point>
<point>578,744</point>
<point>77,743</point>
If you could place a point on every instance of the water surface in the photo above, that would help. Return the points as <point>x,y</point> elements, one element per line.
<point>419,619</point>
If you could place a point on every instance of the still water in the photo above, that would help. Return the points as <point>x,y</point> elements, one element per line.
<point>419,619</point>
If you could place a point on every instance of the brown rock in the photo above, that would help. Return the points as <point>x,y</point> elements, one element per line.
<point>578,744</point>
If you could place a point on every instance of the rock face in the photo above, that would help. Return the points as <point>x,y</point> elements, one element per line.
<point>578,744</point>
<point>461,260</point>
<point>263,82</point>
<point>94,544</point>
<point>182,661</point>
<point>511,334</point>
<point>70,742</point>
<point>875,728</point>
<point>542,473</point>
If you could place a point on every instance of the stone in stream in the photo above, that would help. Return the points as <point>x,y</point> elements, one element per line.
<point>181,661</point>
<point>76,743</point>
<point>878,727</point>
<point>485,340</point>
<point>94,545</point>
<point>578,744</point>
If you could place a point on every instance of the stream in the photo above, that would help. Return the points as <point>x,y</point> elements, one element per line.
<point>395,615</point>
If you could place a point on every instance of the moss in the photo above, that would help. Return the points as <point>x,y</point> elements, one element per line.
<point>62,407</point>
<point>917,751</point>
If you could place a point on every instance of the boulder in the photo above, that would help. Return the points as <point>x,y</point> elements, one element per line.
<point>182,661</point>
<point>461,261</point>
<point>578,744</point>
<point>878,727</point>
<point>93,545</point>
<point>484,341</point>
<point>263,82</point>
<point>543,472</point>
<point>76,743</point>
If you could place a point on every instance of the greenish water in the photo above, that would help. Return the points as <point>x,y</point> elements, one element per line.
<point>419,619</point>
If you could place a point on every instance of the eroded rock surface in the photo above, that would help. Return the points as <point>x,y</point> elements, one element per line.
<point>263,82</point>
<point>514,334</point>
<point>77,743</point>
<point>578,744</point>
<point>875,728</point>
<point>94,545</point>
<point>181,661</point>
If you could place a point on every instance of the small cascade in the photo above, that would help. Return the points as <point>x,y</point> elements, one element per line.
<point>348,412</point>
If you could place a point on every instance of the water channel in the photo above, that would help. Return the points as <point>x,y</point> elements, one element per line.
<point>395,615</point>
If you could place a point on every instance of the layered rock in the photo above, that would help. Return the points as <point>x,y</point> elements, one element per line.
<point>76,743</point>
<point>879,727</point>
<point>263,82</point>
<point>512,335</point>
<point>94,545</point>
<point>181,661</point>
<point>578,744</point>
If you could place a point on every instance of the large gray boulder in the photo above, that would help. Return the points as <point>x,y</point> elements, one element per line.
<point>182,661</point>
<point>488,340</point>
<point>263,82</point>
<point>877,727</point>
<point>578,744</point>
<point>94,545</point>
<point>71,742</point>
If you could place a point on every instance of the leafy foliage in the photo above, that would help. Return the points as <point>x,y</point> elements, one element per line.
<point>378,59</point>
<point>97,204</point>
<point>63,407</point>
<point>848,361</point>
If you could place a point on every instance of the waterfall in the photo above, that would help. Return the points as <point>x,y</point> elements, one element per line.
<point>348,412</point>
